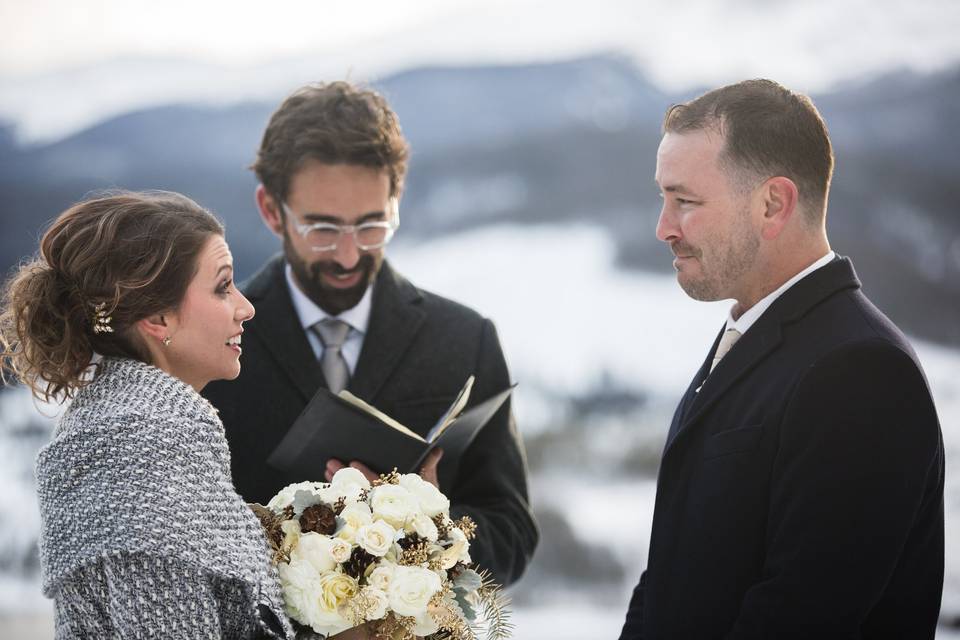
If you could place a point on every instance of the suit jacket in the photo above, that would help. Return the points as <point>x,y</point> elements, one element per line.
<point>800,493</point>
<point>418,351</point>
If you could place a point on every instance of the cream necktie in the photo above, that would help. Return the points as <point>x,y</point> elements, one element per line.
<point>730,337</point>
<point>332,334</point>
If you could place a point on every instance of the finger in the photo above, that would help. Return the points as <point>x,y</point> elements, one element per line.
<point>365,470</point>
<point>433,458</point>
<point>333,465</point>
<point>428,471</point>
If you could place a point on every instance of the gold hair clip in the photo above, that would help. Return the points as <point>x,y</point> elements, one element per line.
<point>101,321</point>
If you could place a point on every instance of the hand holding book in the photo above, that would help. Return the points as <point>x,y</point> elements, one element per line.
<point>345,428</point>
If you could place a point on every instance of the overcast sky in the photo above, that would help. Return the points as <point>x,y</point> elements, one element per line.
<point>809,45</point>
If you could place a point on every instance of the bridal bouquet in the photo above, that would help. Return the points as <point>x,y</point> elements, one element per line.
<point>385,554</point>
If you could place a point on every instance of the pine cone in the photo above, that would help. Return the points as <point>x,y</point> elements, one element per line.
<point>357,565</point>
<point>319,518</point>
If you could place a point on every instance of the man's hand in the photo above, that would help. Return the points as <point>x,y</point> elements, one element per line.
<point>428,471</point>
<point>334,465</point>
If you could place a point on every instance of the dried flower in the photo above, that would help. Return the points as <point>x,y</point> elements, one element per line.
<point>319,518</point>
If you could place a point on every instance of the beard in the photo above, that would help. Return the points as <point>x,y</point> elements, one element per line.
<point>727,264</point>
<point>331,299</point>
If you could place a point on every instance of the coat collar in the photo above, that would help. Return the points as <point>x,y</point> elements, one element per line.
<point>759,342</point>
<point>395,319</point>
<point>277,327</point>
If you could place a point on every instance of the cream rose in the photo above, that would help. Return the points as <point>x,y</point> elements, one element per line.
<point>377,602</point>
<point>353,517</point>
<point>431,501</point>
<point>315,549</point>
<point>377,538</point>
<point>410,590</point>
<point>381,576</point>
<point>340,549</point>
<point>424,527</point>
<point>334,589</point>
<point>394,504</point>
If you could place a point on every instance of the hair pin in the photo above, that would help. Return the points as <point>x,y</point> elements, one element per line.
<point>101,321</point>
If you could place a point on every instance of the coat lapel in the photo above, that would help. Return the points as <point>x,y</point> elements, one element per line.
<point>277,327</point>
<point>395,319</point>
<point>758,342</point>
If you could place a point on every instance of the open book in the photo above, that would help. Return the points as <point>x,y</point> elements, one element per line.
<point>347,428</point>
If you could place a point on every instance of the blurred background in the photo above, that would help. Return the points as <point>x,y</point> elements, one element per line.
<point>534,127</point>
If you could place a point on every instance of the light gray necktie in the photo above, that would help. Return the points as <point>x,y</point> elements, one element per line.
<point>332,334</point>
<point>730,337</point>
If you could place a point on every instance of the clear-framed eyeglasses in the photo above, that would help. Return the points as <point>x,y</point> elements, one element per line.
<point>326,236</point>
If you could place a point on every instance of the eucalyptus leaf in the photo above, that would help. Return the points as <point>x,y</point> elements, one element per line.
<point>303,499</point>
<point>468,581</point>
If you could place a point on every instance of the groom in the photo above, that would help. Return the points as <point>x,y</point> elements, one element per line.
<point>332,312</point>
<point>800,493</point>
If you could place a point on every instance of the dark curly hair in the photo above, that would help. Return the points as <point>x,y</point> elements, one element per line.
<point>129,254</point>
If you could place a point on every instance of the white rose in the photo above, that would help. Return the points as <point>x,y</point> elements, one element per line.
<point>300,582</point>
<point>285,497</point>
<point>315,549</point>
<point>349,483</point>
<point>425,527</point>
<point>377,603</point>
<point>381,576</point>
<point>411,589</point>
<point>432,502</point>
<point>377,538</point>
<point>351,519</point>
<point>340,549</point>
<point>394,504</point>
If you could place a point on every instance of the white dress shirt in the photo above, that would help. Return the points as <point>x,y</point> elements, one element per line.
<point>310,314</point>
<point>751,315</point>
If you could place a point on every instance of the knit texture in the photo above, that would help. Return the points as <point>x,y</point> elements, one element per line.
<point>143,534</point>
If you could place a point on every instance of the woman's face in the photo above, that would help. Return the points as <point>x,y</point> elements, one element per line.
<point>205,330</point>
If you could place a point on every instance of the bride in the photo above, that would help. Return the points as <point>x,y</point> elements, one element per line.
<point>142,532</point>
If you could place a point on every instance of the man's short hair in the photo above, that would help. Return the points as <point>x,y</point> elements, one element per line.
<point>768,131</point>
<point>334,123</point>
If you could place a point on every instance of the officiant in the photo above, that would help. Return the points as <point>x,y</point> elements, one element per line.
<point>332,313</point>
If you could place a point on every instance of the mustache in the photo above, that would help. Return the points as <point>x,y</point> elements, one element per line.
<point>680,248</point>
<point>332,267</point>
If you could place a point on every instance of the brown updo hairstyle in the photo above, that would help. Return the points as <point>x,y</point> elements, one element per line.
<point>133,253</point>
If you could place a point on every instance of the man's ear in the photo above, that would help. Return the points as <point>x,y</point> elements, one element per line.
<point>269,210</point>
<point>779,197</point>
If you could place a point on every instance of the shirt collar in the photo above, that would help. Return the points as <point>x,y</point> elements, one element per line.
<point>310,314</point>
<point>752,314</point>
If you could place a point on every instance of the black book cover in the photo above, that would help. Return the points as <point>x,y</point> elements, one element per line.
<point>334,427</point>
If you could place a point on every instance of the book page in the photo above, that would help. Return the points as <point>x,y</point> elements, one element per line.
<point>453,412</point>
<point>376,413</point>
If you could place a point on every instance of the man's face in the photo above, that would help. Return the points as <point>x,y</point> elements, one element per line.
<point>706,220</point>
<point>335,280</point>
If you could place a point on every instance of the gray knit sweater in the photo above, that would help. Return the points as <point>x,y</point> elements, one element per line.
<point>143,535</point>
